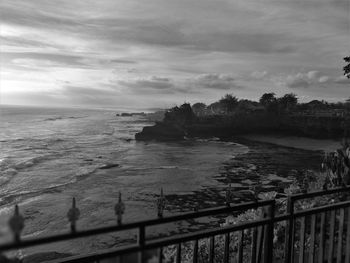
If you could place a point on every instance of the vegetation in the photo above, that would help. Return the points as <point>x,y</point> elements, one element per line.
<point>271,114</point>
<point>288,103</point>
<point>347,67</point>
<point>180,115</point>
<point>335,172</point>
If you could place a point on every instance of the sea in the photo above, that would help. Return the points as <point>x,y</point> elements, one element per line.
<point>51,155</point>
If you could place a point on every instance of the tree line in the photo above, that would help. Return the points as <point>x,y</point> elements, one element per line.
<point>268,102</point>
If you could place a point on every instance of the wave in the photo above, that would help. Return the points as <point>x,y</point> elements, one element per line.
<point>7,175</point>
<point>165,167</point>
<point>9,198</point>
<point>9,170</point>
<point>54,118</point>
<point>30,162</point>
<point>216,140</point>
<point>81,173</point>
<point>110,131</point>
<point>12,140</point>
<point>9,166</point>
<point>63,117</point>
<point>32,141</point>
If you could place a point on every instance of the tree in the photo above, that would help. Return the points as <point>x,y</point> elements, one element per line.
<point>215,108</point>
<point>248,106</point>
<point>267,98</point>
<point>347,67</point>
<point>347,105</point>
<point>181,115</point>
<point>288,102</point>
<point>199,108</point>
<point>229,102</point>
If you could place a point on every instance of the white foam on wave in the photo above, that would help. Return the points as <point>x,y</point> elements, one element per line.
<point>164,167</point>
<point>84,171</point>
<point>56,118</point>
<point>29,162</point>
<point>9,167</point>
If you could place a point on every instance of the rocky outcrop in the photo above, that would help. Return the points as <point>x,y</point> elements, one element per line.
<point>161,132</point>
<point>181,121</point>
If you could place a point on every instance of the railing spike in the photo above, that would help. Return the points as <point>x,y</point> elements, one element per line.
<point>161,204</point>
<point>73,215</point>
<point>229,195</point>
<point>16,224</point>
<point>119,209</point>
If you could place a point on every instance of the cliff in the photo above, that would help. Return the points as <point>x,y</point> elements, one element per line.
<point>162,132</point>
<point>176,125</point>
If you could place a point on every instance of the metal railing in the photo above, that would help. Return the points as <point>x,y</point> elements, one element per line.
<point>313,235</point>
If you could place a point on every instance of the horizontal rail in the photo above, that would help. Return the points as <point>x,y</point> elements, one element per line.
<point>153,244</point>
<point>290,216</point>
<point>135,225</point>
<point>162,242</point>
<point>311,211</point>
<point>337,190</point>
<point>321,209</point>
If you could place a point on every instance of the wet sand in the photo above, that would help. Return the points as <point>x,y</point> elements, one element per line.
<point>296,142</point>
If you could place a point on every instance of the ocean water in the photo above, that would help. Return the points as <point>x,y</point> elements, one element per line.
<point>48,156</point>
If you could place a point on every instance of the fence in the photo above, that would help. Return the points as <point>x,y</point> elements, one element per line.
<point>314,235</point>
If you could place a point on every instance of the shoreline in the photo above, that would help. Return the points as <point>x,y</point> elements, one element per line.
<point>304,143</point>
<point>268,163</point>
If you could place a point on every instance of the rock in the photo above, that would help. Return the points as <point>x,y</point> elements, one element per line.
<point>124,114</point>
<point>127,114</point>
<point>160,132</point>
<point>109,165</point>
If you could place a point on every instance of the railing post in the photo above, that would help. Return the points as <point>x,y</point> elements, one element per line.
<point>268,246</point>
<point>289,233</point>
<point>161,204</point>
<point>229,195</point>
<point>119,209</point>
<point>16,224</point>
<point>141,242</point>
<point>73,216</point>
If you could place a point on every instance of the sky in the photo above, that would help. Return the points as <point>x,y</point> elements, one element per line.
<point>159,53</point>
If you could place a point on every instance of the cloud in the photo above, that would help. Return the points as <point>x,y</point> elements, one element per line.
<point>214,82</point>
<point>195,84</point>
<point>167,48</point>
<point>44,60</point>
<point>313,74</point>
<point>313,79</point>
<point>170,32</point>
<point>342,80</point>
<point>89,95</point>
<point>258,74</point>
<point>323,79</point>
<point>297,81</point>
<point>152,85</point>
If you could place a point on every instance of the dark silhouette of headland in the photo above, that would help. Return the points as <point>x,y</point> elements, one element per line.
<point>271,115</point>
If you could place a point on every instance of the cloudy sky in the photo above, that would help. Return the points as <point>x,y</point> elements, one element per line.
<point>158,53</point>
